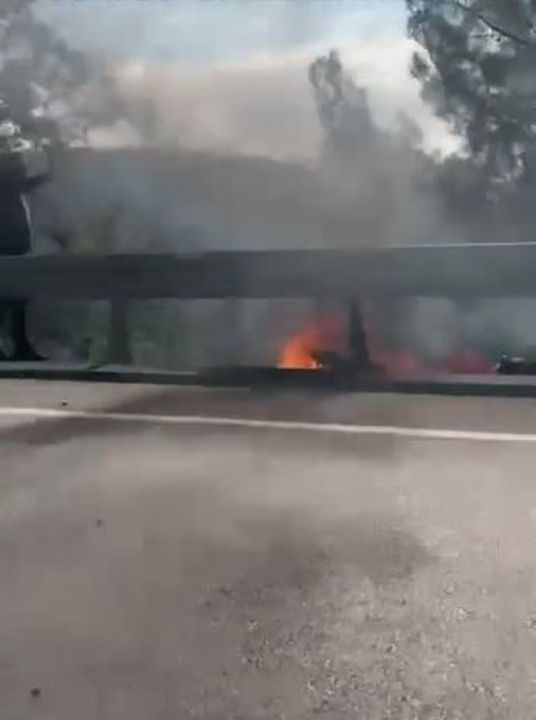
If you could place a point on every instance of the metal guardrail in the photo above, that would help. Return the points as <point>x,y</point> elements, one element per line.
<point>458,271</point>
<point>478,270</point>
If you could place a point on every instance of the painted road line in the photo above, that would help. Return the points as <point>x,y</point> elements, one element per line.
<point>215,421</point>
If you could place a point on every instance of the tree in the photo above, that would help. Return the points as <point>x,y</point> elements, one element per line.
<point>45,82</point>
<point>505,20</point>
<point>477,68</point>
<point>369,167</point>
<point>343,108</point>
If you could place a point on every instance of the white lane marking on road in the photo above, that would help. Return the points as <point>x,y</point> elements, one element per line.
<point>215,421</point>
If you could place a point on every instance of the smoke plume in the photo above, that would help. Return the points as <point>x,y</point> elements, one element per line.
<point>236,155</point>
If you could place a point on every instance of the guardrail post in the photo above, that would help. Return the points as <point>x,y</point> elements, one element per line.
<point>232,350</point>
<point>119,350</point>
<point>357,338</point>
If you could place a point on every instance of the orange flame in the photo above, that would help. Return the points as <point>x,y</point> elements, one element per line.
<point>329,334</point>
<point>298,353</point>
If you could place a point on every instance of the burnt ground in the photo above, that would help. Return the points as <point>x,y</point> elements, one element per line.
<point>182,572</point>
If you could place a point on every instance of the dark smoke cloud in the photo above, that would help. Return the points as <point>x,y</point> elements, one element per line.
<point>234,156</point>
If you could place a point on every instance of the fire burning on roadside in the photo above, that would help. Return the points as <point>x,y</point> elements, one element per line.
<point>303,350</point>
<point>323,345</point>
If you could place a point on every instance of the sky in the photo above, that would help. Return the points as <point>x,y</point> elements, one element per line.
<point>231,75</point>
<point>216,31</point>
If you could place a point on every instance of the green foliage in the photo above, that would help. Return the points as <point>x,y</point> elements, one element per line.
<point>343,109</point>
<point>375,167</point>
<point>97,236</point>
<point>38,69</point>
<point>100,233</point>
<point>162,336</point>
<point>160,333</point>
<point>477,69</point>
<point>98,333</point>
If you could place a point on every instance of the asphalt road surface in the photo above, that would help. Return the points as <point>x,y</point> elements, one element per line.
<point>155,566</point>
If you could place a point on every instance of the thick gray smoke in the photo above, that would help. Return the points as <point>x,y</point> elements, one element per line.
<point>244,156</point>
<point>235,157</point>
<point>257,106</point>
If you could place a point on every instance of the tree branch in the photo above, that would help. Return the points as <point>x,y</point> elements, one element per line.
<point>514,37</point>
